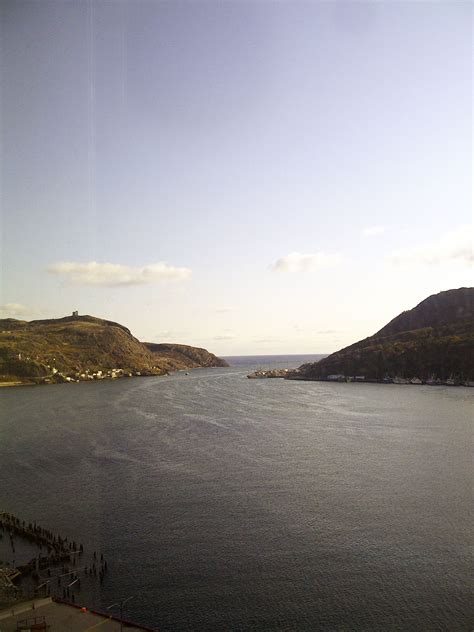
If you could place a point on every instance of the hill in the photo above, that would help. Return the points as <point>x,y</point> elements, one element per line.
<point>84,347</point>
<point>434,340</point>
<point>184,356</point>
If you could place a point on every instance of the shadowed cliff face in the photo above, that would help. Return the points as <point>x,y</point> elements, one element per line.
<point>434,339</point>
<point>188,357</point>
<point>78,346</point>
<point>438,310</point>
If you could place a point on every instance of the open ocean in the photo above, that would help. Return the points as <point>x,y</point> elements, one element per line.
<point>223,503</point>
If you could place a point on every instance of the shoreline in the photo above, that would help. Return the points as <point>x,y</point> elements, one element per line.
<point>374,381</point>
<point>105,378</point>
<point>16,383</point>
<point>400,382</point>
<point>295,375</point>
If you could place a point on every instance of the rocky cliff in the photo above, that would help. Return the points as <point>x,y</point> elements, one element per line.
<point>84,348</point>
<point>434,340</point>
<point>183,356</point>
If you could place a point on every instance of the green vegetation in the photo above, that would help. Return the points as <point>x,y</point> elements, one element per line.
<point>84,348</point>
<point>438,345</point>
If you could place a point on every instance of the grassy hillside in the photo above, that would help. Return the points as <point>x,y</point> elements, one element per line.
<point>80,347</point>
<point>434,339</point>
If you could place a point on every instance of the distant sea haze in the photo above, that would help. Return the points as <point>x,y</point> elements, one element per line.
<point>292,361</point>
<point>223,503</point>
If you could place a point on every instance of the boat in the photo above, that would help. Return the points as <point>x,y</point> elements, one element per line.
<point>400,380</point>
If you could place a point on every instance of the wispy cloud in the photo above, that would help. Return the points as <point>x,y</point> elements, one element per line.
<point>453,247</point>
<point>225,337</point>
<point>267,340</point>
<point>373,231</point>
<point>326,332</point>
<point>168,335</point>
<point>10,310</point>
<point>296,262</point>
<point>115,274</point>
<point>223,310</point>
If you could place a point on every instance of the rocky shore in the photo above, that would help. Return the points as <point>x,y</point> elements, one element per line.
<point>261,374</point>
<point>296,374</point>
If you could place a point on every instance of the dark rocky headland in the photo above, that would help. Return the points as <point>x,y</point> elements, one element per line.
<point>184,356</point>
<point>433,343</point>
<point>82,348</point>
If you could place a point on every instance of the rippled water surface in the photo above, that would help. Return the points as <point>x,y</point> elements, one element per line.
<point>231,504</point>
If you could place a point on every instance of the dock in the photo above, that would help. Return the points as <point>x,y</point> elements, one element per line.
<point>49,615</point>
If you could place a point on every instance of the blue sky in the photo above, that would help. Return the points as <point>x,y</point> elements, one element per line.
<point>251,177</point>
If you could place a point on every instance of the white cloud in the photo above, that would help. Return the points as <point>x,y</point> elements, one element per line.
<point>372,231</point>
<point>115,274</point>
<point>10,310</point>
<point>225,337</point>
<point>296,262</point>
<point>453,247</point>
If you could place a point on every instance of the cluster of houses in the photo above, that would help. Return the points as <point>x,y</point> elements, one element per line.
<point>86,375</point>
<point>343,378</point>
<point>398,380</point>
<point>270,373</point>
<point>295,374</point>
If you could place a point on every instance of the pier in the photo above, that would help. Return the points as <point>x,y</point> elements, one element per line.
<point>61,568</point>
<point>52,615</point>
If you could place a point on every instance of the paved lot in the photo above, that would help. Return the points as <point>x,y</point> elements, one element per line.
<point>60,617</point>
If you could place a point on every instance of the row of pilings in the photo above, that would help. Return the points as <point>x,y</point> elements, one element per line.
<point>37,535</point>
<point>61,570</point>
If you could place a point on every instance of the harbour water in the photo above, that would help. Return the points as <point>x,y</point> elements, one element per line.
<point>224,503</point>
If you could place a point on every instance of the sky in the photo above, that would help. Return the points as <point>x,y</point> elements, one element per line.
<point>252,177</point>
